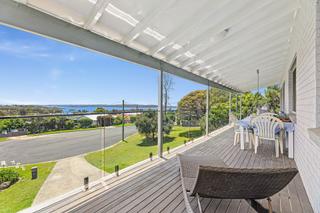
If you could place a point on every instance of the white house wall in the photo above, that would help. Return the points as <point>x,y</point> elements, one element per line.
<point>303,45</point>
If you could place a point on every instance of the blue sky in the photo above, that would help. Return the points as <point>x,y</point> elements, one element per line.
<point>37,70</point>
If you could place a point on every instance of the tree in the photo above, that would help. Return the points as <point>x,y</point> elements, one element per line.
<point>147,124</point>
<point>167,88</point>
<point>192,107</point>
<point>272,95</point>
<point>85,122</point>
<point>100,110</point>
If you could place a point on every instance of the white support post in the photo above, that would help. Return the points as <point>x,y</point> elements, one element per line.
<point>160,113</point>
<point>207,110</point>
<point>240,107</point>
<point>230,97</point>
<point>237,105</point>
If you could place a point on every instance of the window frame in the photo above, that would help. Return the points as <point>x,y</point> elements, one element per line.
<point>293,86</point>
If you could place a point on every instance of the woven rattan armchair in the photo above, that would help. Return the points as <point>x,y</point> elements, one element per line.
<point>209,177</point>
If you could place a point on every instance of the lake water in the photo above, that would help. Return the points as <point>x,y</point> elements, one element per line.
<point>91,108</point>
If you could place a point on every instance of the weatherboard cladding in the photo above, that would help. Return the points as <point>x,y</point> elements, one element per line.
<point>306,151</point>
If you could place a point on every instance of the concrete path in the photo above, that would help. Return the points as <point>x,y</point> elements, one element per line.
<point>57,146</point>
<point>66,176</point>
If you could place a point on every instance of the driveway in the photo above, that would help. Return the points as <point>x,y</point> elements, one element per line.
<point>57,146</point>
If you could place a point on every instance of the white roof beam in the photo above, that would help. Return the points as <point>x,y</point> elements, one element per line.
<point>190,24</point>
<point>147,20</point>
<point>228,21</point>
<point>96,13</point>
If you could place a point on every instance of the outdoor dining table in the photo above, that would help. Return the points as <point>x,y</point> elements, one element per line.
<point>244,125</point>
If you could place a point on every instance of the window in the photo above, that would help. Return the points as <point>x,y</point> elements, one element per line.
<point>283,97</point>
<point>293,87</point>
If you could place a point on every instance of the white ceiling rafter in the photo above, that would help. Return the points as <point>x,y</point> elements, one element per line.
<point>250,81</point>
<point>262,64</point>
<point>224,24</point>
<point>247,64</point>
<point>250,74</point>
<point>147,21</point>
<point>266,35</point>
<point>96,13</point>
<point>272,40</point>
<point>252,34</point>
<point>191,23</point>
<point>273,50</point>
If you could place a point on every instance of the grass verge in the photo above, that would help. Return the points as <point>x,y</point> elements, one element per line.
<point>137,148</point>
<point>21,195</point>
<point>3,139</point>
<point>64,131</point>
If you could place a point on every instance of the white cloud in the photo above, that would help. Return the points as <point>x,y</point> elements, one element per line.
<point>55,74</point>
<point>69,57</point>
<point>20,49</point>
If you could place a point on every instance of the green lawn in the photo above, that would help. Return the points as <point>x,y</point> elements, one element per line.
<point>136,148</point>
<point>21,195</point>
<point>64,131</point>
<point>3,139</point>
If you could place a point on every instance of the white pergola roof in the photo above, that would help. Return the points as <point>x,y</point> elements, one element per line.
<point>223,41</point>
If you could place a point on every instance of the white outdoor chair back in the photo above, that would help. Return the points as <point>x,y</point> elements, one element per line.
<point>266,126</point>
<point>268,114</point>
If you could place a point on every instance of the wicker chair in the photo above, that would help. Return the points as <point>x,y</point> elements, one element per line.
<point>209,177</point>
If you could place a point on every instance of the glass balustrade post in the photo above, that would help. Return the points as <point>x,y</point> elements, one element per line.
<point>207,110</point>
<point>160,113</point>
<point>240,107</point>
<point>230,110</point>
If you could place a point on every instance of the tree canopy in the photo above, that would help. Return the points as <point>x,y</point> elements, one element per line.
<point>192,107</point>
<point>147,124</point>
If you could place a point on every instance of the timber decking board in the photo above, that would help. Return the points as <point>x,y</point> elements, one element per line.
<point>159,189</point>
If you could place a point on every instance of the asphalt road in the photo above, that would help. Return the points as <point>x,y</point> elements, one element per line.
<point>57,146</point>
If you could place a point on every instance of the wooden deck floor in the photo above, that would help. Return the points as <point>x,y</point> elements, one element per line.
<point>159,189</point>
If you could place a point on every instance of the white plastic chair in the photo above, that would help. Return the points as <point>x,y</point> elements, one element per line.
<point>265,129</point>
<point>234,122</point>
<point>237,134</point>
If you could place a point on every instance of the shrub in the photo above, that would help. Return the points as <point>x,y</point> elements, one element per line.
<point>117,120</point>
<point>8,175</point>
<point>85,122</point>
<point>133,118</point>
